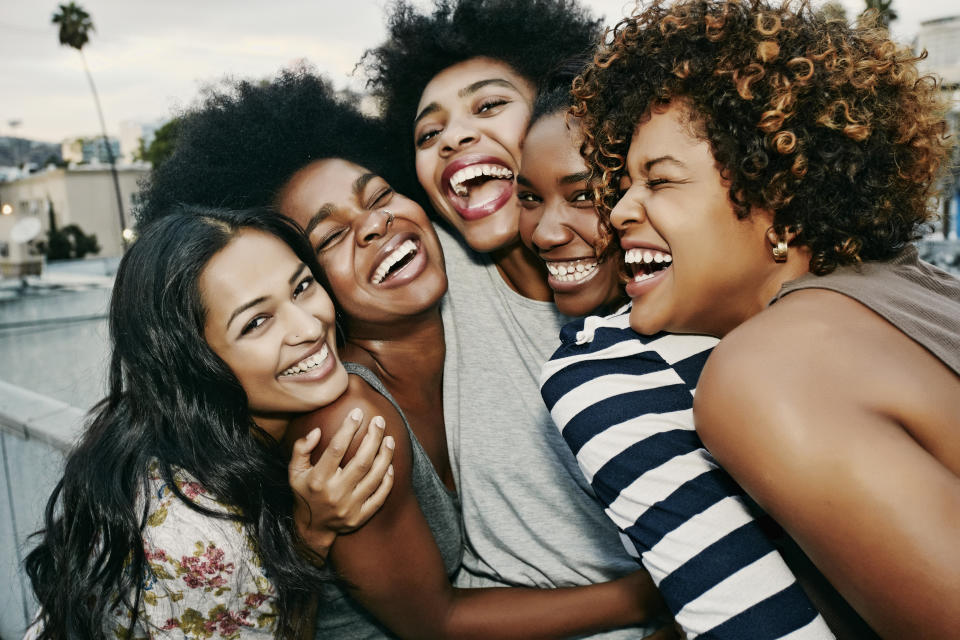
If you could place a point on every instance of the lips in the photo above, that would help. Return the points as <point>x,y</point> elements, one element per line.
<point>477,185</point>
<point>566,275</point>
<point>398,261</point>
<point>316,363</point>
<point>646,266</point>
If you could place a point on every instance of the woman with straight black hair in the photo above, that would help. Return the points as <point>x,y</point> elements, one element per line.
<point>182,456</point>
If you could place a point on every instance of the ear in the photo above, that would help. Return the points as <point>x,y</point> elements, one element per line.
<point>788,234</point>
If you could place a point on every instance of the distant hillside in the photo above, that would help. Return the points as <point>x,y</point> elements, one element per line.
<point>14,151</point>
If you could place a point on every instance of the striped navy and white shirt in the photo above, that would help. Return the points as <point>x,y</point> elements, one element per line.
<point>624,404</point>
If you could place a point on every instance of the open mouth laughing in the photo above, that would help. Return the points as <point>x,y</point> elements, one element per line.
<point>399,261</point>
<point>567,272</point>
<point>645,267</point>
<point>477,186</point>
<point>310,363</point>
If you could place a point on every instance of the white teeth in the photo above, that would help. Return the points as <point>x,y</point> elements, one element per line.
<point>398,254</point>
<point>477,170</point>
<point>637,256</point>
<point>572,271</point>
<point>309,363</point>
<point>643,276</point>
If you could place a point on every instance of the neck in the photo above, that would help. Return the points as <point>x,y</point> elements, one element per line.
<point>523,271</point>
<point>797,264</point>
<point>407,354</point>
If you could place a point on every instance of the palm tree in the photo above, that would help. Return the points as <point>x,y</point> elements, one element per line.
<point>75,29</point>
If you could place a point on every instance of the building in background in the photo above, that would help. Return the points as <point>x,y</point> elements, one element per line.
<point>81,195</point>
<point>135,136</point>
<point>89,150</point>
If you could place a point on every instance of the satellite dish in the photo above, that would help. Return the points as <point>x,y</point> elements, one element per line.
<point>25,230</point>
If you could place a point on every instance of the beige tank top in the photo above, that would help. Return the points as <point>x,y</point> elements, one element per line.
<point>917,298</point>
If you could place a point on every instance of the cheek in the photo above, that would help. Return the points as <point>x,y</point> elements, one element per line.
<point>424,167</point>
<point>529,218</point>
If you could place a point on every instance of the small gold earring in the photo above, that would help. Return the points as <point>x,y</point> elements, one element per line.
<point>780,251</point>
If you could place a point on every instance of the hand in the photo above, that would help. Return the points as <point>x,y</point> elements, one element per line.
<point>331,499</point>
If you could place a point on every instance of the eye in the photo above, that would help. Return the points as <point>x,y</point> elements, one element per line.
<point>653,184</point>
<point>303,286</point>
<point>582,196</point>
<point>254,324</point>
<point>490,104</point>
<point>382,197</point>
<point>529,199</point>
<point>426,137</point>
<point>330,239</point>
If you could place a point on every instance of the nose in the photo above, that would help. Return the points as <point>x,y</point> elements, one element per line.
<point>302,325</point>
<point>552,230</point>
<point>457,133</point>
<point>629,210</point>
<point>372,226</point>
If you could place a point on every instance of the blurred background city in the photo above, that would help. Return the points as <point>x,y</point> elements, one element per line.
<point>90,97</point>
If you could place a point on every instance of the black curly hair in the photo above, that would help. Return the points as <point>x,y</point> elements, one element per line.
<point>244,140</point>
<point>531,36</point>
<point>828,125</point>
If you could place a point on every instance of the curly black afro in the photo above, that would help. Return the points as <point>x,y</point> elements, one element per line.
<point>532,36</point>
<point>245,139</point>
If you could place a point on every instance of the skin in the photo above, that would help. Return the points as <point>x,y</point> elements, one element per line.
<point>475,113</point>
<point>810,403</point>
<point>558,220</point>
<point>401,338</point>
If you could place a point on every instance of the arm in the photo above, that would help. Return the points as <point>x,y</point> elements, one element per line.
<point>797,422</point>
<point>398,574</point>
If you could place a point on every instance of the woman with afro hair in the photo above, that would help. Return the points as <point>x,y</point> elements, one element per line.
<point>294,146</point>
<point>780,164</point>
<point>456,85</point>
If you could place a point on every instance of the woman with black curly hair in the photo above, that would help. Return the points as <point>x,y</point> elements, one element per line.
<point>457,86</point>
<point>784,163</point>
<point>292,145</point>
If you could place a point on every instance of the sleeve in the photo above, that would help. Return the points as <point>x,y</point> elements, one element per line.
<point>205,580</point>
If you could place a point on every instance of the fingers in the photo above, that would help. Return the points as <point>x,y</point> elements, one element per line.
<point>373,480</point>
<point>362,461</point>
<point>377,498</point>
<point>300,457</point>
<point>330,458</point>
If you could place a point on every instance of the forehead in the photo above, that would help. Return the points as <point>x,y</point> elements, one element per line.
<point>328,181</point>
<point>232,277</point>
<point>448,86</point>
<point>552,138</point>
<point>665,130</point>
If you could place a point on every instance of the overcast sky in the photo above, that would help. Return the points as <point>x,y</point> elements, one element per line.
<point>149,58</point>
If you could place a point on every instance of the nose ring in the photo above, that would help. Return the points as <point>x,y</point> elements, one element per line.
<point>389,217</point>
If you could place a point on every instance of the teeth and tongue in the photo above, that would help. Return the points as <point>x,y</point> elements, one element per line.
<point>481,183</point>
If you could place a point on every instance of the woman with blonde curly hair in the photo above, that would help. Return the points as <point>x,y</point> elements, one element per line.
<point>780,164</point>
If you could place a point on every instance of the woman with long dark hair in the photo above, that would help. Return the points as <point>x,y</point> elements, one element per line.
<point>177,507</point>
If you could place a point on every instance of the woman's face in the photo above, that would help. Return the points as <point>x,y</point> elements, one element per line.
<point>694,266</point>
<point>558,220</point>
<point>272,324</point>
<point>469,125</point>
<point>378,249</point>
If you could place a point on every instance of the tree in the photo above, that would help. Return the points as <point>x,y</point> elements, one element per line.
<point>886,12</point>
<point>163,144</point>
<point>75,27</point>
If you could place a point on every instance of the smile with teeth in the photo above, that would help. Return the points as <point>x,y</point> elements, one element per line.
<point>466,174</point>
<point>645,263</point>
<point>407,249</point>
<point>308,363</point>
<point>571,271</point>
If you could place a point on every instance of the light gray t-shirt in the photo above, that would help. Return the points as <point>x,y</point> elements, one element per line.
<point>529,516</point>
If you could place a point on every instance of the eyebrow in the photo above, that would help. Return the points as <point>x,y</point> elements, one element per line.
<point>327,209</point>
<point>256,301</point>
<point>463,93</point>
<point>573,178</point>
<point>649,163</point>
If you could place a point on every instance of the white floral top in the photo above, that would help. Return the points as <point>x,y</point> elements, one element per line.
<point>206,579</point>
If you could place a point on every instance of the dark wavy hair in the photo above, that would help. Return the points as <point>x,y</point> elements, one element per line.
<point>531,36</point>
<point>172,402</point>
<point>828,125</point>
<point>244,140</point>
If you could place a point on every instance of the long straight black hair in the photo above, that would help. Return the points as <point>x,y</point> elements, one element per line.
<point>172,402</point>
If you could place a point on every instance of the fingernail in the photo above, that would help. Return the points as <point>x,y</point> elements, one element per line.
<point>316,430</point>
<point>356,415</point>
<point>388,442</point>
<point>390,470</point>
<point>378,422</point>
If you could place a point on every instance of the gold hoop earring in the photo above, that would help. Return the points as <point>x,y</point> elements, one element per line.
<point>780,251</point>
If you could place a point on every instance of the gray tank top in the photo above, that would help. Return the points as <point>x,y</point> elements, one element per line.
<point>340,616</point>
<point>917,298</point>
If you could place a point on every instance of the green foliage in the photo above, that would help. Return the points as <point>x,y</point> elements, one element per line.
<point>70,243</point>
<point>75,25</point>
<point>884,8</point>
<point>163,144</point>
